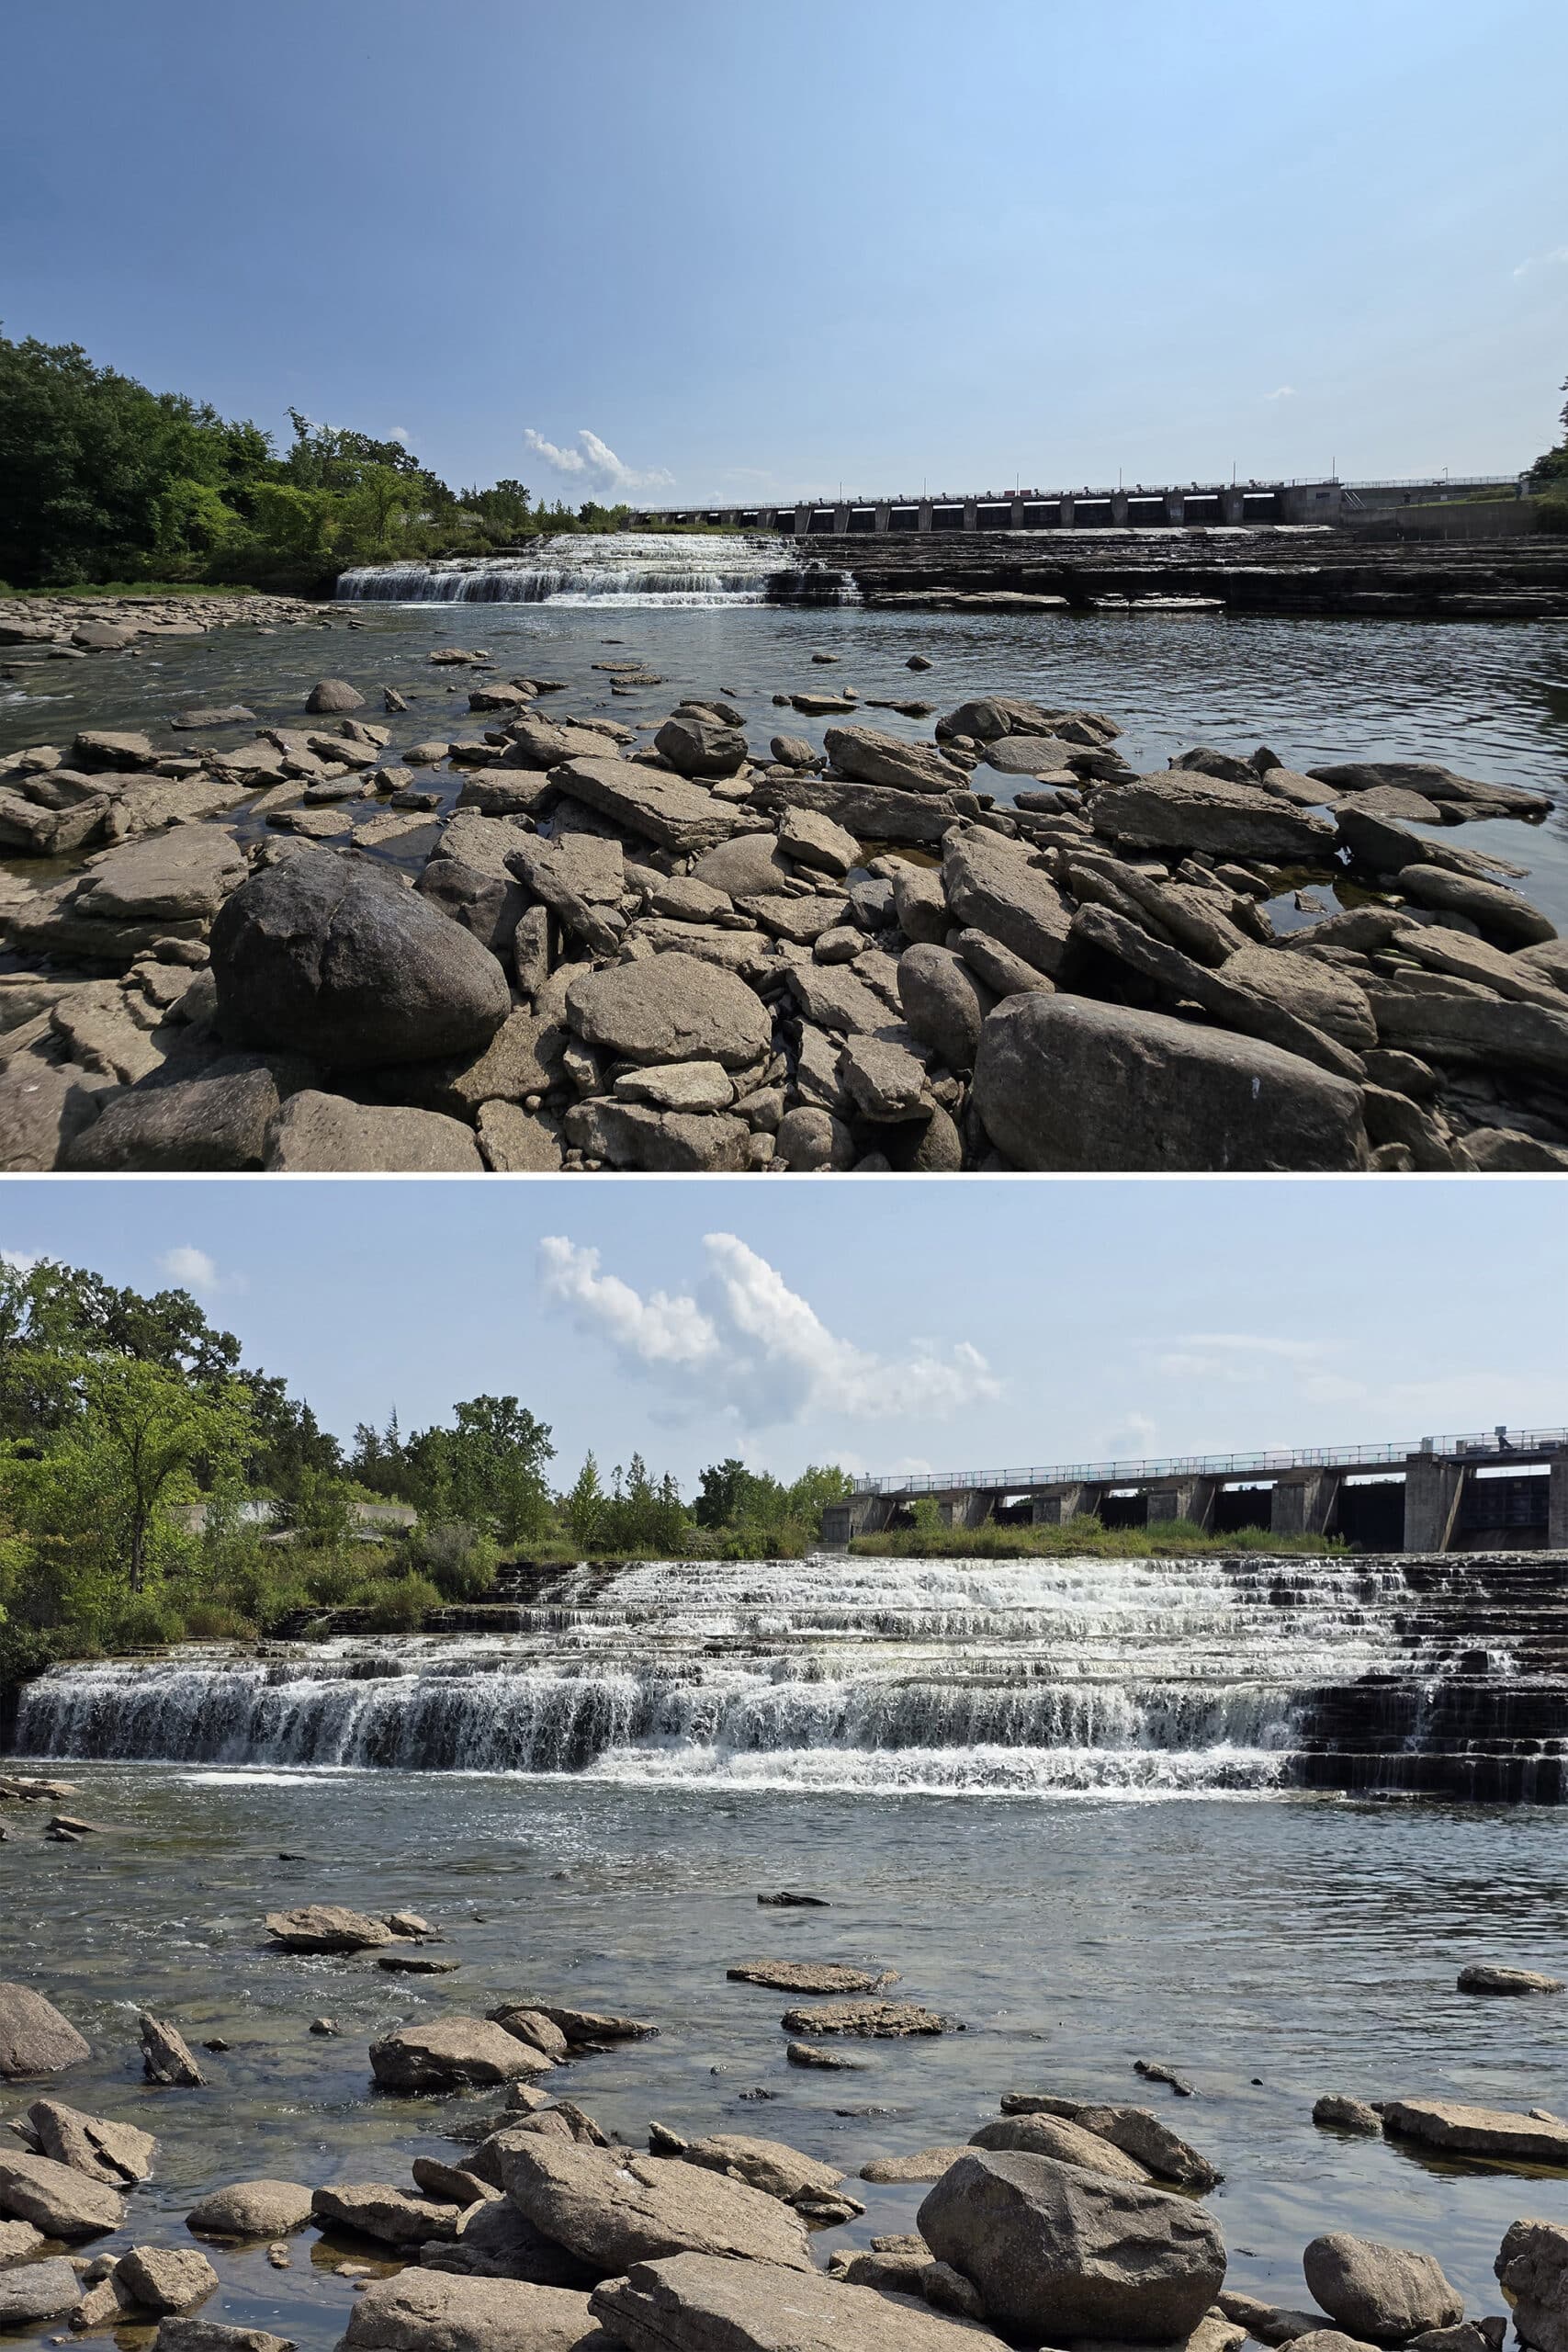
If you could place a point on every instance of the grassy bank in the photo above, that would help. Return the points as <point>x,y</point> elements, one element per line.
<point>1082,1538</point>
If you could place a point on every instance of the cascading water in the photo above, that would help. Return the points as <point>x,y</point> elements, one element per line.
<point>833,1672</point>
<point>620,568</point>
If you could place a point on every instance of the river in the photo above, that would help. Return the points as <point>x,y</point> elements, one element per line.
<point>1490,699</point>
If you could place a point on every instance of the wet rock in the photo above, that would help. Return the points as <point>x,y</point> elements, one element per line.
<point>670,1008</point>
<point>1334,2112</point>
<point>182,2334</point>
<point>923,2163</point>
<point>451,2052</point>
<point>992,886</point>
<point>1062,2253</point>
<point>532,2027</point>
<point>1497,914</point>
<point>611,2210</point>
<point>1483,1977</point>
<point>326,1926</point>
<point>802,2054</point>
<point>1532,2269</point>
<point>1384,2295</point>
<point>324,1134</point>
<point>1465,2131</point>
<point>882,2019</point>
<point>59,2203</point>
<point>334,695</point>
<point>416,1964</point>
<point>1064,1082</point>
<point>164,2278</point>
<point>426,2310</point>
<point>219,1121</point>
<point>167,2055</point>
<point>694,2304</point>
<point>1269,2322</point>
<point>811,1976</point>
<point>252,2208</point>
<point>585,2029</point>
<point>1054,2135</point>
<point>37,2290</point>
<point>34,2038</point>
<point>116,2153</point>
<point>378,2208</point>
<point>1189,811</point>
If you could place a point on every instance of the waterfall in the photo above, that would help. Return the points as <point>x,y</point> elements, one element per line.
<point>620,568</point>
<point>1013,1676</point>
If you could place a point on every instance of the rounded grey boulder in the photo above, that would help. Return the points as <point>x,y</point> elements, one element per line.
<point>333,957</point>
<point>1384,2295</point>
<point>697,746</point>
<point>1059,2252</point>
<point>943,1003</point>
<point>34,2038</point>
<point>334,695</point>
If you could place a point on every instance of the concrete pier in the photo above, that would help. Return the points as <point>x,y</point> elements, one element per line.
<point>1190,506</point>
<point>1507,1491</point>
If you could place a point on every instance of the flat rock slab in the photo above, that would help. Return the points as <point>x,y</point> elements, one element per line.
<point>1182,808</point>
<point>811,1975</point>
<point>429,2311</point>
<point>34,2038</point>
<point>1464,2130</point>
<point>925,2163</point>
<point>588,2028</point>
<point>318,1134</point>
<point>381,2209</point>
<point>181,2333</point>
<point>452,2052</point>
<point>667,1009</point>
<point>252,2208</point>
<point>326,1926</point>
<point>665,809</point>
<point>697,2304</point>
<point>416,1964</point>
<point>59,2203</point>
<point>611,2210</point>
<point>116,2154</point>
<point>885,2019</point>
<point>188,871</point>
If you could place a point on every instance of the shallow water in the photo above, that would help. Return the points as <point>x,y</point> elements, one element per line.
<point>1270,1948</point>
<point>1489,699</point>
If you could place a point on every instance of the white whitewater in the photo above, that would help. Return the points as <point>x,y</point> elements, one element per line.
<point>1006,1677</point>
<point>620,568</point>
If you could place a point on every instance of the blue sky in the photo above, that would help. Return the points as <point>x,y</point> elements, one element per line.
<point>752,250</point>
<point>885,1325</point>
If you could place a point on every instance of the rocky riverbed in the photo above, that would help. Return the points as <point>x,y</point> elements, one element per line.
<point>293,2099</point>
<point>995,946</point>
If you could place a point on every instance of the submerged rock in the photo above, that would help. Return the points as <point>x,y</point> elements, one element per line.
<point>883,2019</point>
<point>811,1975</point>
<point>1483,1978</point>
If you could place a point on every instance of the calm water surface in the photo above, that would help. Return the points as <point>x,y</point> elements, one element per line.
<point>1269,1949</point>
<point>1491,700</point>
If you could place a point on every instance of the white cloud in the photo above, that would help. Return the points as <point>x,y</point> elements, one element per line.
<point>1231,1355</point>
<point>21,1261</point>
<point>1133,1438</point>
<point>594,464</point>
<point>1553,260</point>
<point>1281,392</point>
<point>751,1349</point>
<point>195,1271</point>
<point>401,433</point>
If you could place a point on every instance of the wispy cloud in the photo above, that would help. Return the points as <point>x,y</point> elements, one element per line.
<point>593,463</point>
<point>1553,260</point>
<point>194,1271</point>
<point>21,1261</point>
<point>1133,1437</point>
<point>401,433</point>
<point>1230,1355</point>
<point>1281,392</point>
<point>741,1343</point>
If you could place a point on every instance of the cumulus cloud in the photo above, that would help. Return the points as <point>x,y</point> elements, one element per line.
<point>401,433</point>
<point>1553,260</point>
<point>594,464</point>
<point>743,1344</point>
<point>195,1271</point>
<point>21,1261</point>
<point>1281,392</point>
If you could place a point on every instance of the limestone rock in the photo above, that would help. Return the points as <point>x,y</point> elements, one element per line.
<point>1465,2131</point>
<point>870,756</point>
<point>116,2153</point>
<point>922,2163</point>
<point>1064,2254</point>
<point>670,1008</point>
<point>611,2210</point>
<point>1384,2295</point>
<point>1482,1977</point>
<point>181,2333</point>
<point>1064,1082</point>
<point>882,2020</point>
<point>335,958</point>
<point>1054,2135</point>
<point>214,1122</point>
<point>37,2290</point>
<point>59,2203</point>
<point>185,873</point>
<point>377,2209</point>
<point>326,1926</point>
<point>695,746</point>
<point>17,2240</point>
<point>164,2278</point>
<point>872,812</point>
<point>252,2208</point>
<point>1532,2267</point>
<point>454,2050</point>
<point>334,695</point>
<point>777,2169</point>
<point>323,1134</point>
<point>943,1003</point>
<point>1334,2112</point>
<point>1186,810</point>
<point>811,1975</point>
<point>695,2304</point>
<point>34,2038</point>
<point>992,886</point>
<point>1497,914</point>
<point>668,810</point>
<point>518,1142</point>
<point>167,2055</point>
<point>423,2311</point>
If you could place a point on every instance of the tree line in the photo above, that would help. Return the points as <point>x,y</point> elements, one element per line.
<point>152,1487</point>
<point>107,481</point>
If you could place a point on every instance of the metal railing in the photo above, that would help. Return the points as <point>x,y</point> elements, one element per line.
<point>1224,1465</point>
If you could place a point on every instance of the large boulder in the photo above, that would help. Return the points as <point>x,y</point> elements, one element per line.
<point>1384,2295</point>
<point>334,695</point>
<point>1061,2252</point>
<point>452,2052</point>
<point>696,745</point>
<point>250,2208</point>
<point>993,885</point>
<point>1532,2269</point>
<point>943,1003</point>
<point>869,756</point>
<point>667,1009</point>
<point>693,2302</point>
<point>37,2290</point>
<point>317,1133</point>
<point>610,2210</point>
<point>1182,810</point>
<point>332,956</point>
<point>1138,2131</point>
<point>164,2278</point>
<point>120,2155</point>
<point>1054,2135</point>
<point>1063,1082</point>
<point>55,2198</point>
<point>34,2038</point>
<point>429,2311</point>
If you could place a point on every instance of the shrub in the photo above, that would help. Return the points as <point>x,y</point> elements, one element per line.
<point>400,1604</point>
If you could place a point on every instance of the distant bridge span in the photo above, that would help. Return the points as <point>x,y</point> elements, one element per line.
<point>1504,1490</point>
<point>1189,506</point>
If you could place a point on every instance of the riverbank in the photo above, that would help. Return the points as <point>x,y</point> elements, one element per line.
<point>1344,1932</point>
